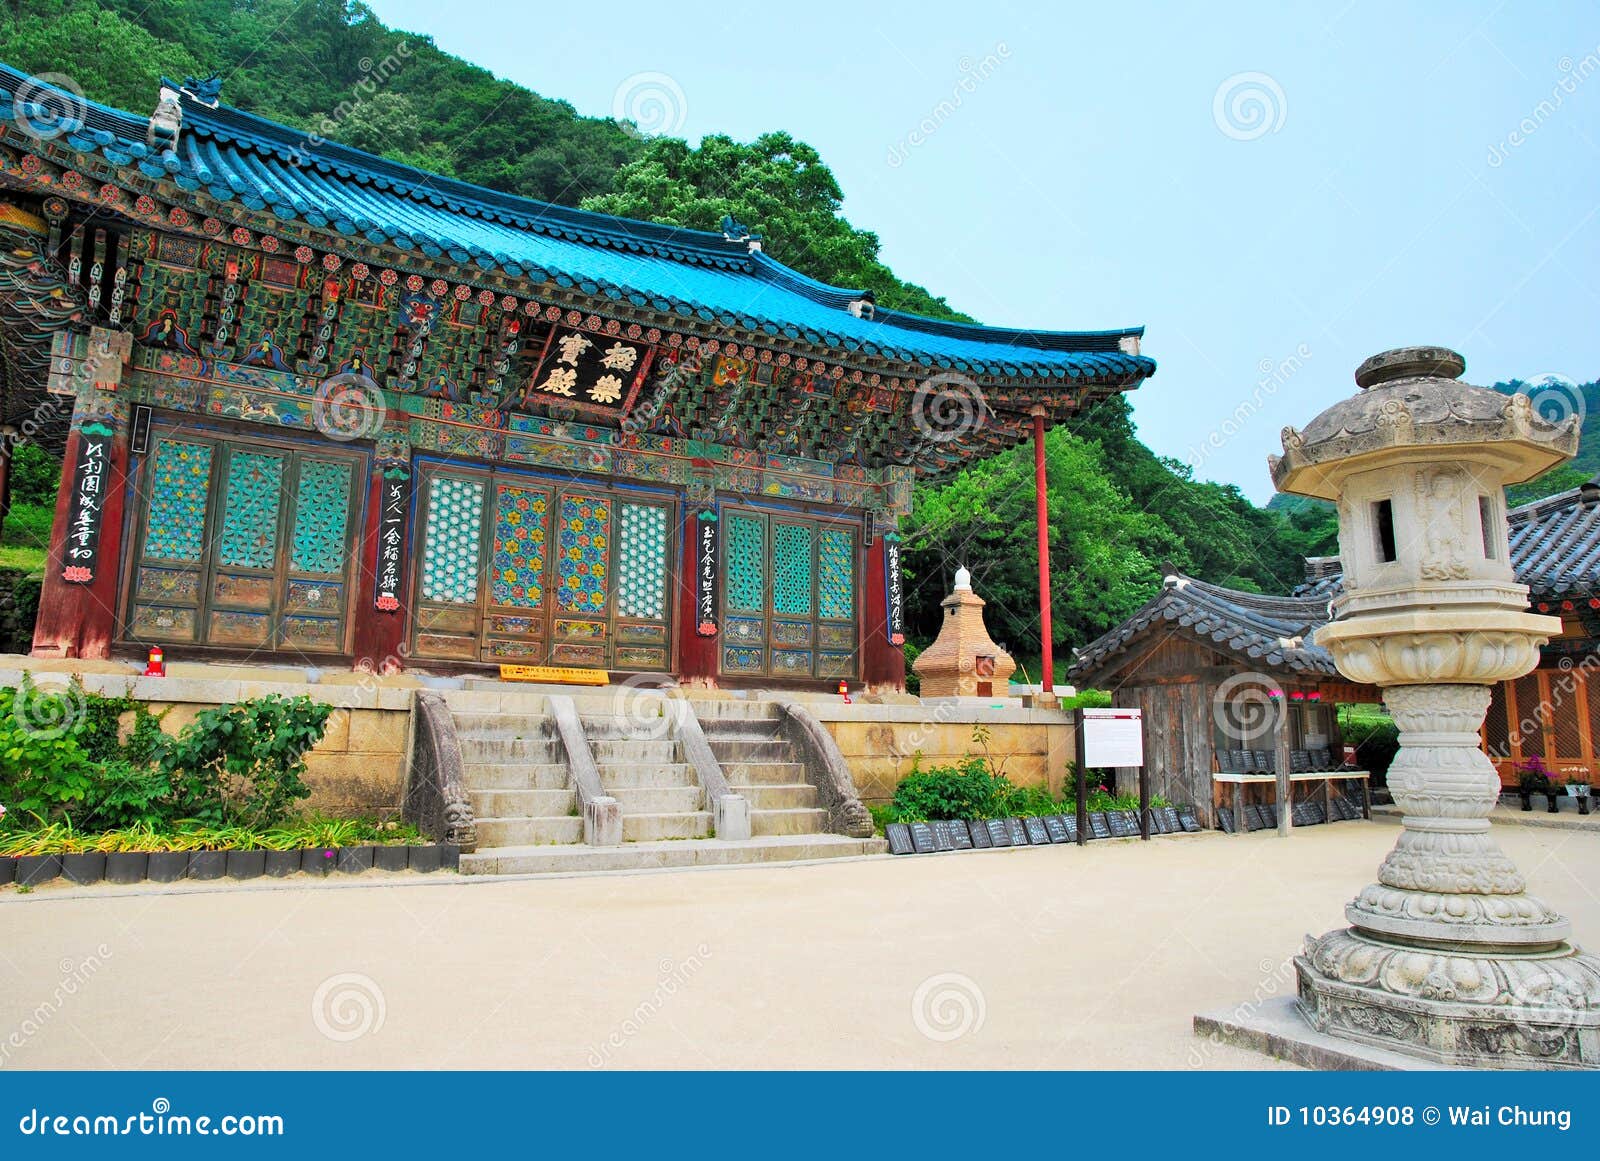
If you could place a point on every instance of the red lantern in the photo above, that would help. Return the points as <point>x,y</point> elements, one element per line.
<point>157,665</point>
<point>844,690</point>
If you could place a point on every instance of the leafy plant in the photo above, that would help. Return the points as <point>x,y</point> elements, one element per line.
<point>245,761</point>
<point>1535,775</point>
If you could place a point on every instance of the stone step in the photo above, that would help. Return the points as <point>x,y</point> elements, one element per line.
<point>795,796</point>
<point>627,726</point>
<point>623,775</point>
<point>764,773</point>
<point>632,752</point>
<point>523,803</point>
<point>688,824</point>
<point>655,799</point>
<point>641,856</point>
<point>478,750</point>
<point>736,729</point>
<point>734,709</point>
<point>769,822</point>
<point>528,832</point>
<point>487,725</point>
<point>516,776</point>
<point>729,750</point>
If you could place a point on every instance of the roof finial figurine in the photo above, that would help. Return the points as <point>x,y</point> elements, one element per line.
<point>167,121</point>
<point>207,91</point>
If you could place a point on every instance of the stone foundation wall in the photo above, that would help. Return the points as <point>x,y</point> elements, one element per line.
<point>879,742</point>
<point>19,606</point>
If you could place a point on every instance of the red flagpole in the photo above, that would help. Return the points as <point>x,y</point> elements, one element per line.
<point>1042,520</point>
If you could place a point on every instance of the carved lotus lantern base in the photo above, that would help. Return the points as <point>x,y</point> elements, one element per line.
<point>1447,958</point>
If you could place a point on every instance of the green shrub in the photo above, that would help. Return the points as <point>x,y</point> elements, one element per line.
<point>969,789</point>
<point>244,762</point>
<point>1087,699</point>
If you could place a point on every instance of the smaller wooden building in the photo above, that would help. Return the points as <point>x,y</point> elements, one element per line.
<point>1217,671</point>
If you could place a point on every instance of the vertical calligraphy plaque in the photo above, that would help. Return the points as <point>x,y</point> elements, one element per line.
<point>91,473</point>
<point>706,557</point>
<point>893,592</point>
<point>394,500</point>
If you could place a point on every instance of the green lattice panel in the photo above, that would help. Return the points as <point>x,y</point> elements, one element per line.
<point>746,566</point>
<point>642,562</point>
<point>451,540</point>
<point>581,547</point>
<point>791,570</point>
<point>180,481</point>
<point>520,539</point>
<point>252,496</point>
<point>321,516</point>
<point>836,574</point>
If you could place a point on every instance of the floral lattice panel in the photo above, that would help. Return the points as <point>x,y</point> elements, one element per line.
<point>252,498</point>
<point>321,518</point>
<point>746,568</point>
<point>791,569</point>
<point>520,540</point>
<point>581,561</point>
<point>451,542</point>
<point>642,562</point>
<point>836,574</point>
<point>180,481</point>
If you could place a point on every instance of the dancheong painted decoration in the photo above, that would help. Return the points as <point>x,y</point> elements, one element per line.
<point>383,414</point>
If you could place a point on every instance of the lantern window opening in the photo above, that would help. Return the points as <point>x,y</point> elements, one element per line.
<point>1383,526</point>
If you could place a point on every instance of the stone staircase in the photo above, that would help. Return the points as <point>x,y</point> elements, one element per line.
<point>643,769</point>
<point>760,764</point>
<point>517,780</point>
<point>526,804</point>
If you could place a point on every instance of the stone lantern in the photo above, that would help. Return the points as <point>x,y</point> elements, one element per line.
<point>963,661</point>
<point>1447,958</point>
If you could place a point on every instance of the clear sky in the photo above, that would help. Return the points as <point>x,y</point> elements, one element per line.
<point>1276,192</point>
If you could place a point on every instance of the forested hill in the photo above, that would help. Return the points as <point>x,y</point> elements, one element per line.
<point>1117,511</point>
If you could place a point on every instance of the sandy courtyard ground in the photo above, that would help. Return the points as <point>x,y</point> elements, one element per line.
<point>1043,958</point>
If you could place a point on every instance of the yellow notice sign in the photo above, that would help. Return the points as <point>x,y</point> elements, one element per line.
<point>554,674</point>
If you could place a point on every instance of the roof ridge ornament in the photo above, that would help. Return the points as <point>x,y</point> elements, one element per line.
<point>166,123</point>
<point>207,91</point>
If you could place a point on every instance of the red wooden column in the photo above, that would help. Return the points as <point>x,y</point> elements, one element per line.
<point>380,634</point>
<point>79,620</point>
<point>697,655</point>
<point>883,663</point>
<point>1042,522</point>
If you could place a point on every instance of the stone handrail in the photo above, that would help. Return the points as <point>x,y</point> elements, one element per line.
<point>436,790</point>
<point>580,759</point>
<point>827,771</point>
<point>697,751</point>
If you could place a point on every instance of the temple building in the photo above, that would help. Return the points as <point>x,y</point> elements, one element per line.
<point>319,407</point>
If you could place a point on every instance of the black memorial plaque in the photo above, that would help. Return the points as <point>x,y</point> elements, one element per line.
<point>978,831</point>
<point>1099,827</point>
<point>1225,820</point>
<point>1017,832</point>
<point>1170,823</point>
<point>960,838</point>
<point>941,836</point>
<point>1254,819</point>
<point>1056,827</point>
<point>1038,833</point>
<point>1269,815</point>
<point>1070,821</point>
<point>999,836</point>
<point>1123,823</point>
<point>1318,813</point>
<point>922,838</point>
<point>1189,819</point>
<point>899,836</point>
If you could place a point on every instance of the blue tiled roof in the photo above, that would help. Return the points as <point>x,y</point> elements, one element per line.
<point>265,166</point>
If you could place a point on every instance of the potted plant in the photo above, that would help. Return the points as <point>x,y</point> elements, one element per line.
<point>82,862</point>
<point>1552,793</point>
<point>169,857</point>
<point>127,854</point>
<point>1533,778</point>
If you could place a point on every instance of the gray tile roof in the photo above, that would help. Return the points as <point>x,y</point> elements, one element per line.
<point>1266,632</point>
